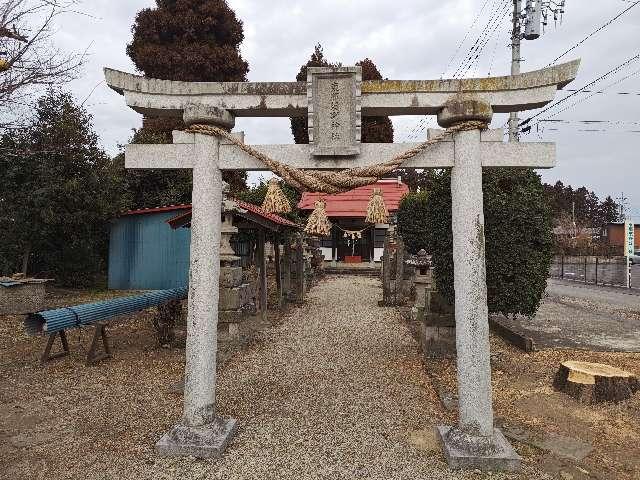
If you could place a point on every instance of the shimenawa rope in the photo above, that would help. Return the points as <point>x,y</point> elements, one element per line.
<point>334,181</point>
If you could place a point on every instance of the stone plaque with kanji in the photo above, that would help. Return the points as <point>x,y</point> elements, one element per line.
<point>334,110</point>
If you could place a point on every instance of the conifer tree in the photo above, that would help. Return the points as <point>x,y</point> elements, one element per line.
<point>190,41</point>
<point>58,192</point>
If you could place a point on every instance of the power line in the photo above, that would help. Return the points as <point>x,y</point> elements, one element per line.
<point>610,72</point>
<point>467,55</point>
<point>495,49</point>
<point>584,99</point>
<point>615,122</point>
<point>487,39</point>
<point>602,27</point>
<point>466,36</point>
<point>599,92</point>
<point>477,47</point>
<point>593,130</point>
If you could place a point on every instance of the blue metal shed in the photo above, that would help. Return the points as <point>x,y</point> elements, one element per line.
<point>146,254</point>
<point>149,252</point>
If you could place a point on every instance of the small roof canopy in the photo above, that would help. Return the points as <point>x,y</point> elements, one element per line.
<point>354,203</point>
<point>252,213</point>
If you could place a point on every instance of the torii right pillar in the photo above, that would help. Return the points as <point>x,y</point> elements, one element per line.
<point>474,442</point>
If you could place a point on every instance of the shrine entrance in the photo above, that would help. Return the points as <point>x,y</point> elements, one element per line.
<point>334,100</point>
<point>354,242</point>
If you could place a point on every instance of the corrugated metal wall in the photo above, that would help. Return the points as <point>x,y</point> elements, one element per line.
<point>145,253</point>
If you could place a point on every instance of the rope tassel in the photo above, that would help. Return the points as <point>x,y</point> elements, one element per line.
<point>318,223</point>
<point>376,210</point>
<point>275,201</point>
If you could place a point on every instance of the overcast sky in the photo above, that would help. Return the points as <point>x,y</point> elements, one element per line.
<point>407,39</point>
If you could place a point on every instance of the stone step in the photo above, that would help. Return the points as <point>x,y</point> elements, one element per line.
<point>367,272</point>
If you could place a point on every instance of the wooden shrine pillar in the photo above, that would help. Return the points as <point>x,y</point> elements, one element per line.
<point>277,260</point>
<point>261,262</point>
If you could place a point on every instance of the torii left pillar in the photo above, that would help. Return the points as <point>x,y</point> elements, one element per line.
<point>202,433</point>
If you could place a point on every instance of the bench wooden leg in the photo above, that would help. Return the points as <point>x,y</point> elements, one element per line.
<point>46,356</point>
<point>100,333</point>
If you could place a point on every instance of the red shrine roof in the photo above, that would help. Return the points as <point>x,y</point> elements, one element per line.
<point>354,202</point>
<point>184,219</point>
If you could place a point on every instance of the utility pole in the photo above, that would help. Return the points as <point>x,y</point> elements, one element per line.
<point>534,19</point>
<point>623,205</point>
<point>573,219</point>
<point>516,37</point>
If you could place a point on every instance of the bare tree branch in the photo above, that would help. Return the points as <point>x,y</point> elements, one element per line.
<point>28,56</point>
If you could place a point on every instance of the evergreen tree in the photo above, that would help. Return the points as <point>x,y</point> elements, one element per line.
<point>58,193</point>
<point>518,236</point>
<point>581,204</point>
<point>609,212</point>
<point>374,129</point>
<point>191,41</point>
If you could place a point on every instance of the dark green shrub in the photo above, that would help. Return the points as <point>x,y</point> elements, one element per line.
<point>518,231</point>
<point>413,223</point>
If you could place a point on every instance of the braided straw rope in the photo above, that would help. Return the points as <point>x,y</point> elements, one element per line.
<point>335,181</point>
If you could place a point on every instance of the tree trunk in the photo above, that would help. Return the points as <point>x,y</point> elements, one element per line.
<point>164,321</point>
<point>595,382</point>
<point>25,259</point>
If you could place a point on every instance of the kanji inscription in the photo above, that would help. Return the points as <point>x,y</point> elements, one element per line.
<point>334,110</point>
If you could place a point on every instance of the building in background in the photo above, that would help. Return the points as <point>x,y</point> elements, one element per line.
<point>352,238</point>
<point>614,233</point>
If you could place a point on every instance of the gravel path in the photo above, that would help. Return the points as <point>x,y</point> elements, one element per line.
<point>336,391</point>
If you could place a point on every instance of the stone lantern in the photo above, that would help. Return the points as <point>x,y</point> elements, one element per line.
<point>423,280</point>
<point>235,296</point>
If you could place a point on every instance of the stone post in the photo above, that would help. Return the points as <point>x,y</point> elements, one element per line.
<point>473,443</point>
<point>201,433</point>
<point>278,264</point>
<point>261,261</point>
<point>286,268</point>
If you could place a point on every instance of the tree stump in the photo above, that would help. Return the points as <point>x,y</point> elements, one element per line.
<point>595,382</point>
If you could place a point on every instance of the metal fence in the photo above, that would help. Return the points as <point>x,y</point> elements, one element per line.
<point>590,269</point>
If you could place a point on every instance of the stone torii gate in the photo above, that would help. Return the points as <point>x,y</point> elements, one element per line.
<point>335,99</point>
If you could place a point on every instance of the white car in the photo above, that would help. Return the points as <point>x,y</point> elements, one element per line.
<point>635,258</point>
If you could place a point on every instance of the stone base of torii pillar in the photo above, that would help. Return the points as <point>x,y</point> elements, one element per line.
<point>474,442</point>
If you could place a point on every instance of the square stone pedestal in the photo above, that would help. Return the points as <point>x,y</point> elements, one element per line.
<point>461,456</point>
<point>208,441</point>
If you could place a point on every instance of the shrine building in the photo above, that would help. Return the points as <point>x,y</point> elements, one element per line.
<point>352,239</point>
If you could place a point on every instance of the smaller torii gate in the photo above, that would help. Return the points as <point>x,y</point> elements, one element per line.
<point>335,99</point>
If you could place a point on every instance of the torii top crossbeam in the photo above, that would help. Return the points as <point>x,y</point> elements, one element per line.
<point>507,94</point>
<point>335,99</point>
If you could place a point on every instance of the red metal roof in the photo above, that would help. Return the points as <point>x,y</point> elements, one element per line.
<point>167,208</point>
<point>263,213</point>
<point>354,202</point>
<point>184,218</point>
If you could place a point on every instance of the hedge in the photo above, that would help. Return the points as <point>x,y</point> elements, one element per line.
<point>518,229</point>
